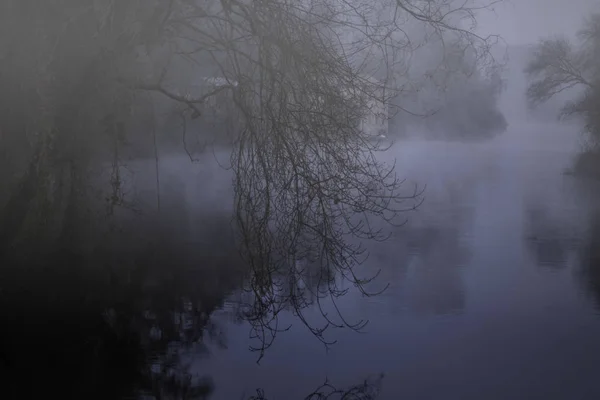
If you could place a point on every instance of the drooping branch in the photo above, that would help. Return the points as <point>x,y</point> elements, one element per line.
<point>309,185</point>
<point>191,101</point>
<point>308,182</point>
<point>555,67</point>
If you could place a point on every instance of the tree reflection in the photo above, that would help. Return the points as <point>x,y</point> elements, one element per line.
<point>429,252</point>
<point>128,319</point>
<point>118,303</point>
<point>549,240</point>
<point>367,390</point>
<point>301,246</point>
<point>116,324</point>
<point>438,286</point>
<point>589,271</point>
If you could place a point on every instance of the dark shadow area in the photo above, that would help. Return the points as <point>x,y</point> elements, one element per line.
<point>548,240</point>
<point>589,272</point>
<point>126,324</point>
<point>118,323</point>
<point>587,164</point>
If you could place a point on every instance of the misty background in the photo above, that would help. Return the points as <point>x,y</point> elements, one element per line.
<point>233,199</point>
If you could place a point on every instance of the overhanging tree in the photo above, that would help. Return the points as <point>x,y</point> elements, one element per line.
<point>558,65</point>
<point>307,180</point>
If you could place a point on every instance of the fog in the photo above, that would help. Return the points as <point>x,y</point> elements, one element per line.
<point>266,200</point>
<point>525,22</point>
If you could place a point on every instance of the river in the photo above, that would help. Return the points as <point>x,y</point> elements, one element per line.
<point>494,286</point>
<point>493,290</point>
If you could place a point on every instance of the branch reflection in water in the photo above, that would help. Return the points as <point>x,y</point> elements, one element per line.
<point>367,390</point>
<point>130,317</point>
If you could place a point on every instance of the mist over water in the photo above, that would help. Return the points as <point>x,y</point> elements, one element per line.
<point>492,281</point>
<point>490,289</point>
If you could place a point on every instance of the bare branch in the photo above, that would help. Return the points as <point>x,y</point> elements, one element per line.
<point>555,67</point>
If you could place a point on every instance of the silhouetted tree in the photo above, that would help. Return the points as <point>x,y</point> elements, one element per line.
<point>558,66</point>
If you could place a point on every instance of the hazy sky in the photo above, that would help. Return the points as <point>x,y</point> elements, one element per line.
<point>525,21</point>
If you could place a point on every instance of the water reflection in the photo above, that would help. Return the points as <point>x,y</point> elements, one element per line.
<point>367,390</point>
<point>438,287</point>
<point>424,260</point>
<point>131,318</point>
<point>136,316</point>
<point>92,328</point>
<point>589,271</point>
<point>551,240</point>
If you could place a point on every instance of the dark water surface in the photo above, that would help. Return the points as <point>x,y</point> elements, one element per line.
<point>494,289</point>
